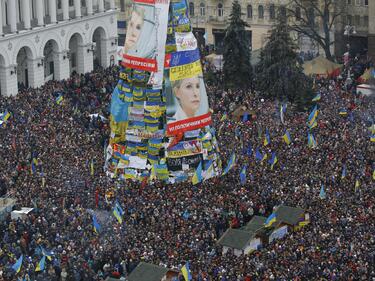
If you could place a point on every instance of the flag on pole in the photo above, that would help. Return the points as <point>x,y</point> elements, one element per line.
<point>185,270</point>
<point>343,173</point>
<point>231,162</point>
<point>46,253</point>
<point>95,224</point>
<point>4,117</point>
<point>317,97</point>
<point>287,138</point>
<point>258,155</point>
<point>343,111</point>
<point>243,175</point>
<point>117,215</point>
<point>372,138</point>
<point>197,177</point>
<point>245,117</point>
<point>40,266</point>
<point>273,160</point>
<point>17,265</point>
<point>312,117</point>
<point>311,140</point>
<point>267,139</point>
<point>270,220</point>
<point>322,193</point>
<point>92,167</point>
<point>282,112</point>
<point>59,98</point>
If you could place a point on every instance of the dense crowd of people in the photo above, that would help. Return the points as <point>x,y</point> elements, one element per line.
<point>168,225</point>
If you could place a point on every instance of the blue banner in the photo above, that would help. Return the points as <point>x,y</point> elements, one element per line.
<point>184,57</point>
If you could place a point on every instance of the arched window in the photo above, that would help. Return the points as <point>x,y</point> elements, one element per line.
<point>191,9</point>
<point>260,12</point>
<point>220,10</point>
<point>202,8</point>
<point>272,11</point>
<point>249,11</point>
<point>311,16</point>
<point>298,13</point>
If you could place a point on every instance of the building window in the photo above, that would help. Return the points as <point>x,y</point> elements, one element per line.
<point>83,3</point>
<point>260,12</point>
<point>59,4</point>
<point>365,21</point>
<point>349,19</point>
<point>191,9</point>
<point>357,19</point>
<point>283,12</point>
<point>311,16</point>
<point>220,10</point>
<point>349,2</point>
<point>202,8</point>
<point>298,13</point>
<point>272,11</point>
<point>366,2</point>
<point>249,11</point>
<point>71,2</point>
<point>122,5</point>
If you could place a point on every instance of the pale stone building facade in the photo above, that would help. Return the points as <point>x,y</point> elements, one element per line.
<point>48,39</point>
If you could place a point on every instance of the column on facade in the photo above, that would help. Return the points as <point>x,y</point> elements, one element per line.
<point>77,8</point>
<point>39,12</point>
<point>89,7</point>
<point>104,52</point>
<point>35,72</point>
<point>101,5</point>
<point>112,4</point>
<point>12,15</point>
<point>61,65</point>
<point>8,80</point>
<point>52,10</point>
<point>1,18</point>
<point>65,8</point>
<point>85,59</point>
<point>26,13</point>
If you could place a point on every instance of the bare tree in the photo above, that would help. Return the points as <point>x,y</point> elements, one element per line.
<point>316,20</point>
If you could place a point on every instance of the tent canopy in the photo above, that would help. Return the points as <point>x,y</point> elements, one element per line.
<point>320,66</point>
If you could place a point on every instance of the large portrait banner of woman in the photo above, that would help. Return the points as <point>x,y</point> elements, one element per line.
<point>140,48</point>
<point>187,105</point>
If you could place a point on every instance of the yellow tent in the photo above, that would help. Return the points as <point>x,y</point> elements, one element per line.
<point>320,66</point>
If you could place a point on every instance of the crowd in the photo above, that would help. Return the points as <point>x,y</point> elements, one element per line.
<point>168,225</point>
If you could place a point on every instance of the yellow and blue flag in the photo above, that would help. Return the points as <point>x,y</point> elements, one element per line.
<point>317,97</point>
<point>270,220</point>
<point>41,265</point>
<point>34,164</point>
<point>312,117</point>
<point>197,177</point>
<point>17,265</point>
<point>245,117</point>
<point>117,215</point>
<point>4,117</point>
<point>258,155</point>
<point>311,140</point>
<point>185,270</point>
<point>287,138</point>
<point>243,175</point>
<point>224,117</point>
<point>46,253</point>
<point>343,173</point>
<point>273,160</point>
<point>267,139</point>
<point>343,111</point>
<point>372,138</point>
<point>231,162</point>
<point>59,99</point>
<point>322,193</point>
<point>95,223</point>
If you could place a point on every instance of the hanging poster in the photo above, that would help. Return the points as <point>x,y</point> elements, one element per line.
<point>185,148</point>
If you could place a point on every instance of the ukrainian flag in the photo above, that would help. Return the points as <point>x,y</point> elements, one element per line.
<point>312,117</point>
<point>267,139</point>
<point>258,155</point>
<point>343,173</point>
<point>231,162</point>
<point>243,175</point>
<point>317,97</point>
<point>322,193</point>
<point>47,254</point>
<point>287,138</point>
<point>40,266</point>
<point>59,99</point>
<point>17,266</point>
<point>95,223</point>
<point>343,111</point>
<point>270,220</point>
<point>311,140</point>
<point>224,117</point>
<point>185,270</point>
<point>117,215</point>
<point>273,160</point>
<point>372,138</point>
<point>4,117</point>
<point>197,177</point>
